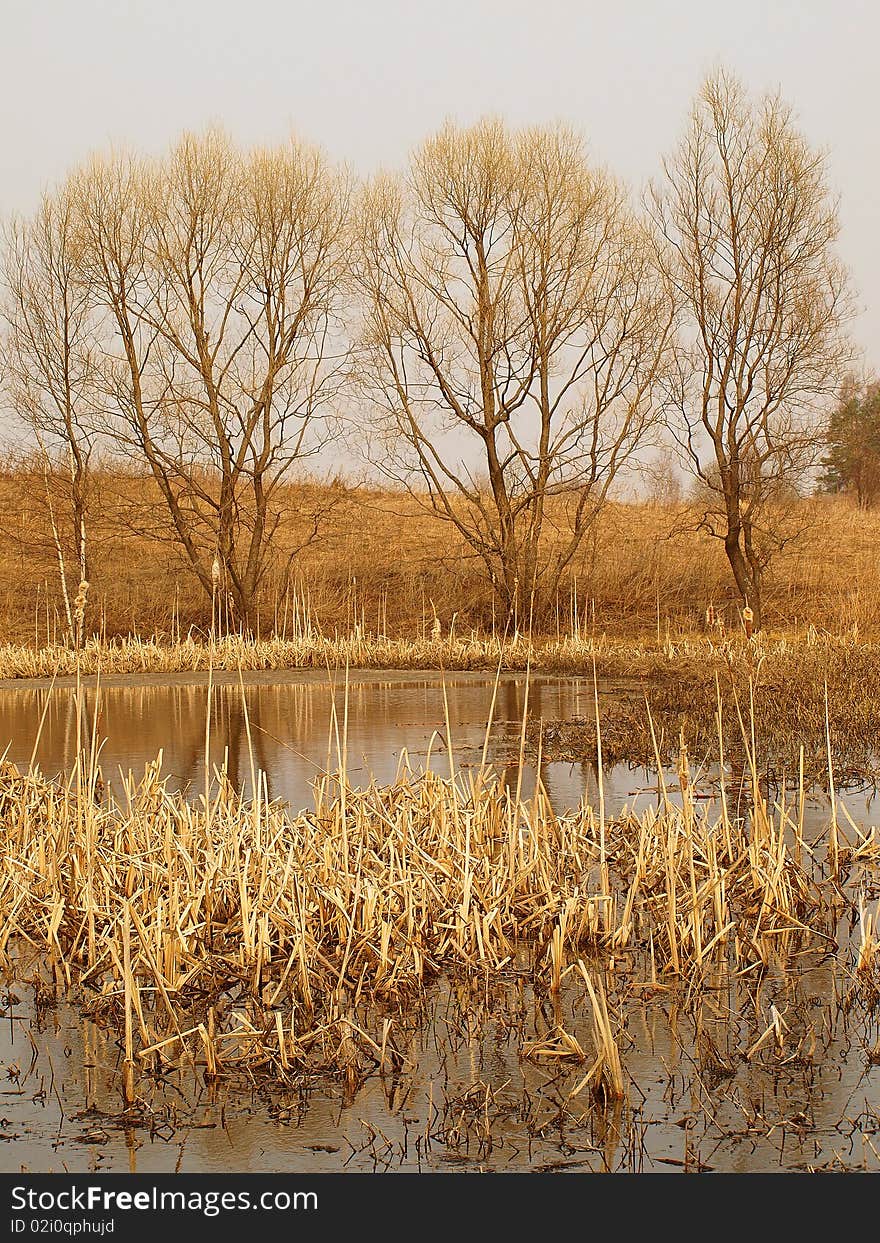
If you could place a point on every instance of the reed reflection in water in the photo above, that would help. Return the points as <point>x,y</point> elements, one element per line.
<point>298,720</point>
<point>297,723</point>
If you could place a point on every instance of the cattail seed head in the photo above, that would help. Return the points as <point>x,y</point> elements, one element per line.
<point>748,621</point>
<point>82,595</point>
<point>79,610</point>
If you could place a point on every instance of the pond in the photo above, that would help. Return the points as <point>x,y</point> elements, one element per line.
<point>291,726</point>
<point>297,722</point>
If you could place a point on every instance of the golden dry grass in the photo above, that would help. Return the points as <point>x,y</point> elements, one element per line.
<point>682,667</point>
<point>382,565</point>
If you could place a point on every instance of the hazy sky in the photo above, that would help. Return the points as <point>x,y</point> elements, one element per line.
<point>368,80</point>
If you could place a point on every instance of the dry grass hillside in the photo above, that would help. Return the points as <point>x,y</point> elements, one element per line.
<point>375,560</point>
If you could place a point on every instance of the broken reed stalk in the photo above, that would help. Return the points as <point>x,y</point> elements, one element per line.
<point>128,1065</point>
<point>833,842</point>
<point>869,942</point>
<point>604,880</point>
<point>605,1076</point>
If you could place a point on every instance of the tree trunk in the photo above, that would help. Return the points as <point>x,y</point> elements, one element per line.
<point>746,573</point>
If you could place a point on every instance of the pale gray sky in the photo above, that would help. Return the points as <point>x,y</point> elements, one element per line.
<point>369,80</point>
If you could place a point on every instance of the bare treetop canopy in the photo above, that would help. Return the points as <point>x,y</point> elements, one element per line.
<point>215,279</point>
<point>746,231</point>
<point>509,294</point>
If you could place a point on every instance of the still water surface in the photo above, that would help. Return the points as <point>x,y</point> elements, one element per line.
<point>298,721</point>
<point>297,724</point>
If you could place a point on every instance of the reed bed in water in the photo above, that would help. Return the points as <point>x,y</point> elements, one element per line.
<point>798,659</point>
<point>231,933</point>
<point>232,652</point>
<point>792,704</point>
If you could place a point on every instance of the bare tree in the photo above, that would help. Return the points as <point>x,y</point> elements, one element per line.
<point>218,277</point>
<point>513,334</point>
<point>748,232</point>
<point>49,371</point>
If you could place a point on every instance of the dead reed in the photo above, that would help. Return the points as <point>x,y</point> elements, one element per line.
<point>230,933</point>
<point>790,663</point>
